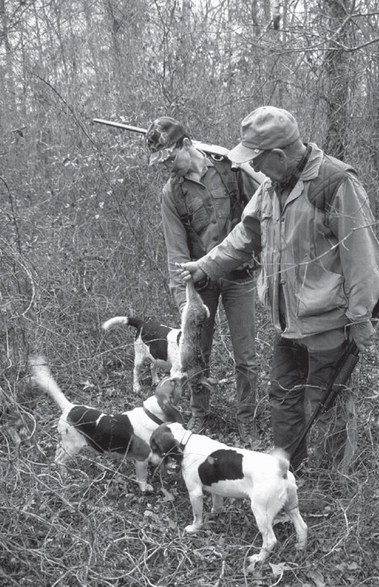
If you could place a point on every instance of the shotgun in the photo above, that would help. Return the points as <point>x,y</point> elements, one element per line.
<point>342,373</point>
<point>214,150</point>
<point>210,149</point>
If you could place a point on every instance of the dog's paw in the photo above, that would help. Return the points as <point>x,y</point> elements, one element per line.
<point>301,545</point>
<point>191,529</point>
<point>253,560</point>
<point>146,488</point>
<point>217,510</point>
<point>167,495</point>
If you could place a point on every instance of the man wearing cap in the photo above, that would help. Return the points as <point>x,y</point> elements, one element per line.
<point>202,202</point>
<point>312,222</point>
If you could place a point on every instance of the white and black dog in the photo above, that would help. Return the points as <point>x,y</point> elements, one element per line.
<point>224,471</point>
<point>154,343</point>
<point>127,433</point>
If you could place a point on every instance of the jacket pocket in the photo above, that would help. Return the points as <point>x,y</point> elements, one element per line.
<point>266,223</point>
<point>199,215</point>
<point>320,291</point>
<point>221,202</point>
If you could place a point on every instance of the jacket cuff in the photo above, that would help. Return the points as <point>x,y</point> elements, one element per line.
<point>209,269</point>
<point>355,319</point>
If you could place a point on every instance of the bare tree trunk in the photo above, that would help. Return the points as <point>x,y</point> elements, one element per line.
<point>376,111</point>
<point>276,14</point>
<point>9,86</point>
<point>337,72</point>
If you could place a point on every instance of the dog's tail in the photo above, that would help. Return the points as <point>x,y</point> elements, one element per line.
<point>42,377</point>
<point>121,320</point>
<point>283,461</point>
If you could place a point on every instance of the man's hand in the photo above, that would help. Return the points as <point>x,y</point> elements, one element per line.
<point>363,334</point>
<point>190,270</point>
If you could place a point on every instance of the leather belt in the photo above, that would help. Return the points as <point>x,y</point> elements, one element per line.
<point>244,273</point>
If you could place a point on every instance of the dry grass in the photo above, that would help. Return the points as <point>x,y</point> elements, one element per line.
<point>95,529</point>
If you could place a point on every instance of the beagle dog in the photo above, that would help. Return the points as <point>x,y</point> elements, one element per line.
<point>224,471</point>
<point>154,343</point>
<point>127,434</point>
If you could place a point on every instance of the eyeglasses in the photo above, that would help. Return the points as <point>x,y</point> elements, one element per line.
<point>169,162</point>
<point>162,155</point>
<point>258,160</point>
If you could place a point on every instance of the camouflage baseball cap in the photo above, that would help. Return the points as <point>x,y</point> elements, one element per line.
<point>162,136</point>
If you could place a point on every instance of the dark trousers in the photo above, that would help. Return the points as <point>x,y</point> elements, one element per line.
<point>238,300</point>
<point>299,377</point>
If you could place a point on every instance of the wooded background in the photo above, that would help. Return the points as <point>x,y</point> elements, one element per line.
<point>80,225</point>
<point>80,229</point>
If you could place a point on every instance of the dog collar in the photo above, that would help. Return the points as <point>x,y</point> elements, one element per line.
<point>185,439</point>
<point>152,416</point>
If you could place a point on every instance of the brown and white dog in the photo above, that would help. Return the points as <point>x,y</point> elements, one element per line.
<point>127,434</point>
<point>224,471</point>
<point>154,343</point>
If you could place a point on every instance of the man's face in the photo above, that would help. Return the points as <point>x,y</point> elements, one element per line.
<point>272,163</point>
<point>179,162</point>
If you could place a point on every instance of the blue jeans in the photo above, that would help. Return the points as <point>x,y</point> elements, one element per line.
<point>238,300</point>
<point>299,376</point>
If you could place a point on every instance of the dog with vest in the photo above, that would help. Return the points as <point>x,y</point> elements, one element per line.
<point>126,434</point>
<point>154,343</point>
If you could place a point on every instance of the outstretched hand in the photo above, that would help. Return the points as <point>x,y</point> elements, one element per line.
<point>190,270</point>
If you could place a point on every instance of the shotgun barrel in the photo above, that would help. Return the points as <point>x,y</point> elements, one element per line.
<point>210,149</point>
<point>137,129</point>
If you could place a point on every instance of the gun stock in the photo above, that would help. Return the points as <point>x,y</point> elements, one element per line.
<point>343,371</point>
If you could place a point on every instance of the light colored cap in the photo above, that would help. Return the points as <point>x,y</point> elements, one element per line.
<point>264,129</point>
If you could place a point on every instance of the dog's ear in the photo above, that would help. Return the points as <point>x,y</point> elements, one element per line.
<point>139,449</point>
<point>177,390</point>
<point>175,415</point>
<point>166,393</point>
<point>163,442</point>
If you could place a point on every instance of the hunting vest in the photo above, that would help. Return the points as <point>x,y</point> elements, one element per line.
<point>325,185</point>
<point>302,280</point>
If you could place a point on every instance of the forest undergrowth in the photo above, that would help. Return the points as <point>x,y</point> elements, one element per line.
<point>94,528</point>
<point>81,240</point>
